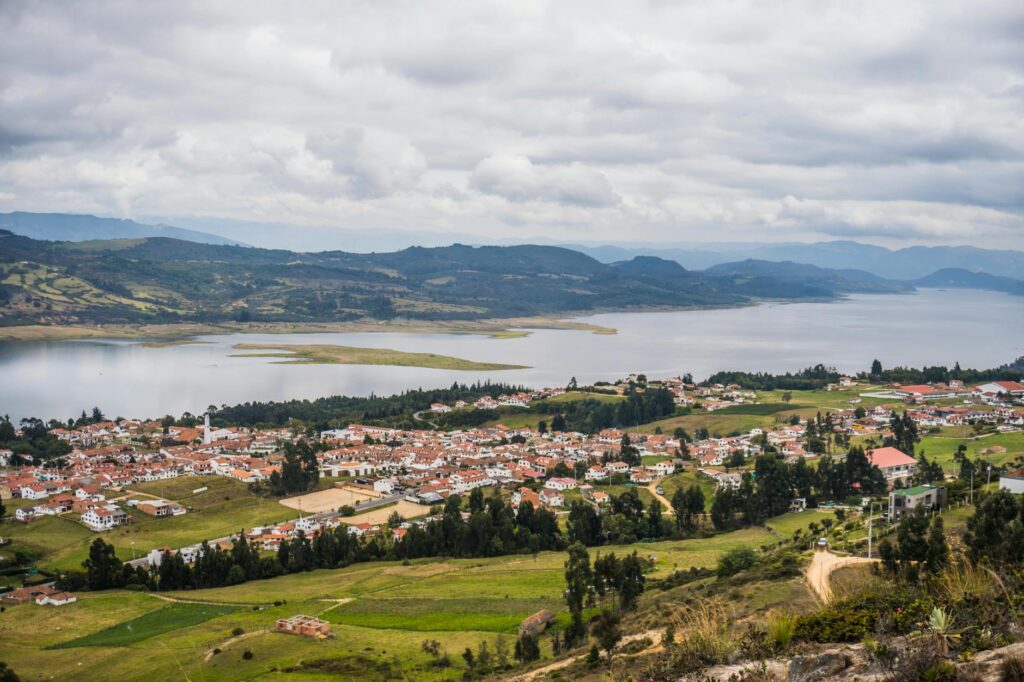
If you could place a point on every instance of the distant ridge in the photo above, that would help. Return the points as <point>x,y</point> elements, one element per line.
<point>904,264</point>
<point>67,227</point>
<point>958,278</point>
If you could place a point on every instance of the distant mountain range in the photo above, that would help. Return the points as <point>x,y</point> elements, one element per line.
<point>904,264</point>
<point>157,279</point>
<point>146,276</point>
<point>77,228</point>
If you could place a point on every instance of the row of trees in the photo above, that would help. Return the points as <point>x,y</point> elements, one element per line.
<point>492,528</point>
<point>592,415</point>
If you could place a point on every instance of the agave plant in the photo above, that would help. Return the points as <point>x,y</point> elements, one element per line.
<point>940,624</point>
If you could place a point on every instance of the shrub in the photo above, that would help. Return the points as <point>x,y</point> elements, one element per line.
<point>736,560</point>
<point>247,654</point>
<point>237,631</point>
<point>780,627</point>
<point>852,618</point>
<point>1012,669</point>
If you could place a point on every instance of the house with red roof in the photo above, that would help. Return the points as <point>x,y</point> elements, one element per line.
<point>893,463</point>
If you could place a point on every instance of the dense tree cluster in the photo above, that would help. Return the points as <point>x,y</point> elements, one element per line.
<point>337,411</point>
<point>808,379</point>
<point>592,415</point>
<point>774,483</point>
<point>628,521</point>
<point>1013,371</point>
<point>35,442</point>
<point>622,580</point>
<point>299,471</point>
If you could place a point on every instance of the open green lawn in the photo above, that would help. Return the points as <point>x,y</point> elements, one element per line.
<point>158,621</point>
<point>394,608</point>
<point>942,446</point>
<point>225,507</point>
<point>787,524</point>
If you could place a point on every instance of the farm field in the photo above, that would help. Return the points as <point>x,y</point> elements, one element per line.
<point>326,500</point>
<point>942,446</point>
<point>393,608</point>
<point>407,510</point>
<point>226,506</point>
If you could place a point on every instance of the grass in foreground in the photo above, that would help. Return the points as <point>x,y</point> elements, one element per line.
<point>348,355</point>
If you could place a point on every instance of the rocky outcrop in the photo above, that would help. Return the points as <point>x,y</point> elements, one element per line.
<point>853,664</point>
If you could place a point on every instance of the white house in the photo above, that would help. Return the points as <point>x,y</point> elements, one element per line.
<point>596,473</point>
<point>104,518</point>
<point>56,599</point>
<point>385,486</point>
<point>1012,481</point>
<point>551,498</point>
<point>560,484</point>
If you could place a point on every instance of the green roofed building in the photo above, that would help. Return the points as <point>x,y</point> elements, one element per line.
<point>901,502</point>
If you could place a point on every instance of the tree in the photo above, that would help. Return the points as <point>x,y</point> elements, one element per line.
<point>527,650</point>
<point>593,657</point>
<point>631,582</point>
<point>938,551</point>
<point>876,368</point>
<point>8,675</point>
<point>607,631</point>
<point>103,568</point>
<point>995,532</point>
<point>654,519</point>
<point>680,510</point>
<point>578,579</point>
<point>558,423</point>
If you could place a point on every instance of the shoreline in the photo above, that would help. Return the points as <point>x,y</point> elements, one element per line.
<point>162,335</point>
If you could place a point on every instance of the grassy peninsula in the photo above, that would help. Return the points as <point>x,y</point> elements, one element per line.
<point>348,355</point>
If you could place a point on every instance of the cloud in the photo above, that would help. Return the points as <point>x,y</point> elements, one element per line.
<point>657,121</point>
<point>516,178</point>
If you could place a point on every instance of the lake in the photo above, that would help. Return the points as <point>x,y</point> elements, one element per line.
<point>977,329</point>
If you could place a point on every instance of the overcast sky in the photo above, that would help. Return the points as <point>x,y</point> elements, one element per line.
<point>889,122</point>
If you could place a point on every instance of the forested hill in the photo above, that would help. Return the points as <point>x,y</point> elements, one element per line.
<point>168,280</point>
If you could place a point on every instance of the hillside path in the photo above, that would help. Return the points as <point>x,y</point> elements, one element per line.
<point>821,567</point>
<point>537,673</point>
<point>652,488</point>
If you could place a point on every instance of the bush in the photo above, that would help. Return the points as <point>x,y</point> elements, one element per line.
<point>851,619</point>
<point>780,628</point>
<point>736,560</point>
<point>237,631</point>
<point>1012,669</point>
<point>247,654</point>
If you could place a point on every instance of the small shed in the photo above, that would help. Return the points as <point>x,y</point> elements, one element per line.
<point>536,624</point>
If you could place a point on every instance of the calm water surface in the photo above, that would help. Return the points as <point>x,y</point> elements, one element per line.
<point>977,329</point>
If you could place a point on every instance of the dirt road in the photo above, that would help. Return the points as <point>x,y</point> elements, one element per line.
<point>652,488</point>
<point>821,568</point>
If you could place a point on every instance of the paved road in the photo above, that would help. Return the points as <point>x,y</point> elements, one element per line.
<point>418,416</point>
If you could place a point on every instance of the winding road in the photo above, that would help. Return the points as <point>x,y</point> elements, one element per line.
<point>821,567</point>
